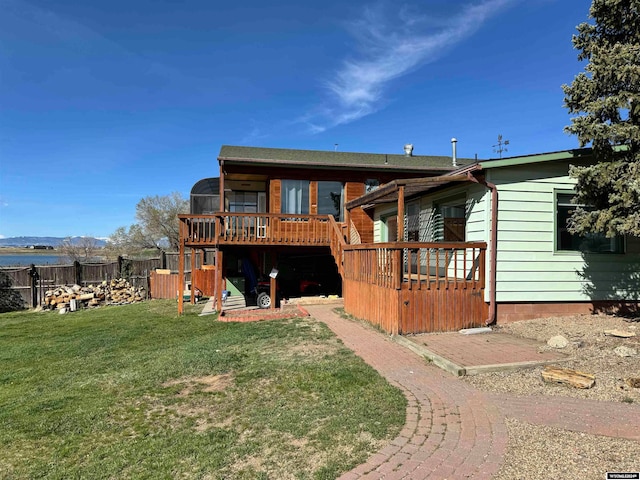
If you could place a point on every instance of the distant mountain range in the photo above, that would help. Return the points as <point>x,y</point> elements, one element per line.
<point>46,241</point>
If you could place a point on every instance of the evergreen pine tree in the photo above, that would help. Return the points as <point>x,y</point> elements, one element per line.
<point>606,100</point>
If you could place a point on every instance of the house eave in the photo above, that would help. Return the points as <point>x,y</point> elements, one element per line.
<point>388,193</point>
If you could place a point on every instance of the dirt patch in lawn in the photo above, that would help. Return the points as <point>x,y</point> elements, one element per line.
<point>208,383</point>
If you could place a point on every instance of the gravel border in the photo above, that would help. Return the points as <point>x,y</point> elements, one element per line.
<point>590,350</point>
<point>543,452</point>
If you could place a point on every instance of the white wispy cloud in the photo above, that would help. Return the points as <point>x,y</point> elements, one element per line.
<point>391,45</point>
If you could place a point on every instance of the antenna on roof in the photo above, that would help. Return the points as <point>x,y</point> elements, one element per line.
<point>501,146</point>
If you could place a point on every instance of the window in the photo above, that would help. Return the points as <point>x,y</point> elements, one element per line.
<point>243,202</point>
<point>371,184</point>
<point>453,217</point>
<point>331,199</point>
<point>413,222</point>
<point>295,196</point>
<point>589,243</point>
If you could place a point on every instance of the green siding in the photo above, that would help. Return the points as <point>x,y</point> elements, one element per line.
<point>378,226</point>
<point>529,268</point>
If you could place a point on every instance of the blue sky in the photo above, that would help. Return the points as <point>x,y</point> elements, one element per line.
<point>104,103</point>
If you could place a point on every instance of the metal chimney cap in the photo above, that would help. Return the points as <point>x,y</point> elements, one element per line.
<point>408,149</point>
<point>454,140</point>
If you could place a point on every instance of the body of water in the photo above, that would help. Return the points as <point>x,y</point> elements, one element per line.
<point>26,260</point>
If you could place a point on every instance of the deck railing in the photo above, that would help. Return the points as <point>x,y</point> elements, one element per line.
<point>255,229</point>
<point>433,265</point>
<point>411,287</point>
<point>337,243</point>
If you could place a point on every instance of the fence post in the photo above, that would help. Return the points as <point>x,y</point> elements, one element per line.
<point>163,259</point>
<point>33,273</point>
<point>77,272</point>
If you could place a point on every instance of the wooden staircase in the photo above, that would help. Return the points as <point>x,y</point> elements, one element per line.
<point>337,244</point>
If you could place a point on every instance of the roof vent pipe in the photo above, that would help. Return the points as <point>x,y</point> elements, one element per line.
<point>408,149</point>
<point>454,157</point>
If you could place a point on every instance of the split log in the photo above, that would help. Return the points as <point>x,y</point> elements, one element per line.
<point>574,378</point>
<point>116,291</point>
<point>619,333</point>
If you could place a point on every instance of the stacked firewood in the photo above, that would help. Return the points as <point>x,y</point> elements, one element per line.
<point>115,292</point>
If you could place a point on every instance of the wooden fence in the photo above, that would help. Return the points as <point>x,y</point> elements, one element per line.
<point>22,287</point>
<point>412,287</point>
<point>167,285</point>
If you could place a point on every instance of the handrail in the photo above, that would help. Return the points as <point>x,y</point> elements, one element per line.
<point>415,245</point>
<point>417,264</point>
<point>337,245</point>
<point>254,229</point>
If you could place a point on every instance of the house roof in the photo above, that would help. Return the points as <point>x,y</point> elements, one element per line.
<point>389,192</point>
<point>331,159</point>
<point>578,153</point>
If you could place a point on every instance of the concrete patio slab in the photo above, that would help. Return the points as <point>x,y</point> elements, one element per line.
<point>462,354</point>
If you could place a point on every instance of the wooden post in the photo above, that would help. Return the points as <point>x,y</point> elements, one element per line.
<point>397,269</point>
<point>400,214</point>
<point>221,186</point>
<point>313,197</point>
<point>181,277</point>
<point>219,279</point>
<point>192,299</point>
<point>347,220</point>
<point>33,273</point>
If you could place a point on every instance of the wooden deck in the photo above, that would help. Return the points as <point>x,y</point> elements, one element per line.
<point>255,229</point>
<point>412,287</point>
<point>402,287</point>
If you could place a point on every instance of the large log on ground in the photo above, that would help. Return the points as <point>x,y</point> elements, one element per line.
<point>567,376</point>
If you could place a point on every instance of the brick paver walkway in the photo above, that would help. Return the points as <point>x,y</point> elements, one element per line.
<point>453,430</point>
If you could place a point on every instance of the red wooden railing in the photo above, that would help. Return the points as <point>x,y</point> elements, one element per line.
<point>255,229</point>
<point>337,244</point>
<point>411,287</point>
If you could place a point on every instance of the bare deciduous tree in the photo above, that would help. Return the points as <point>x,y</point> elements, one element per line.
<point>157,227</point>
<point>83,249</point>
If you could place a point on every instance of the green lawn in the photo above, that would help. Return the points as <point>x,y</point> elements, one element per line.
<point>137,392</point>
